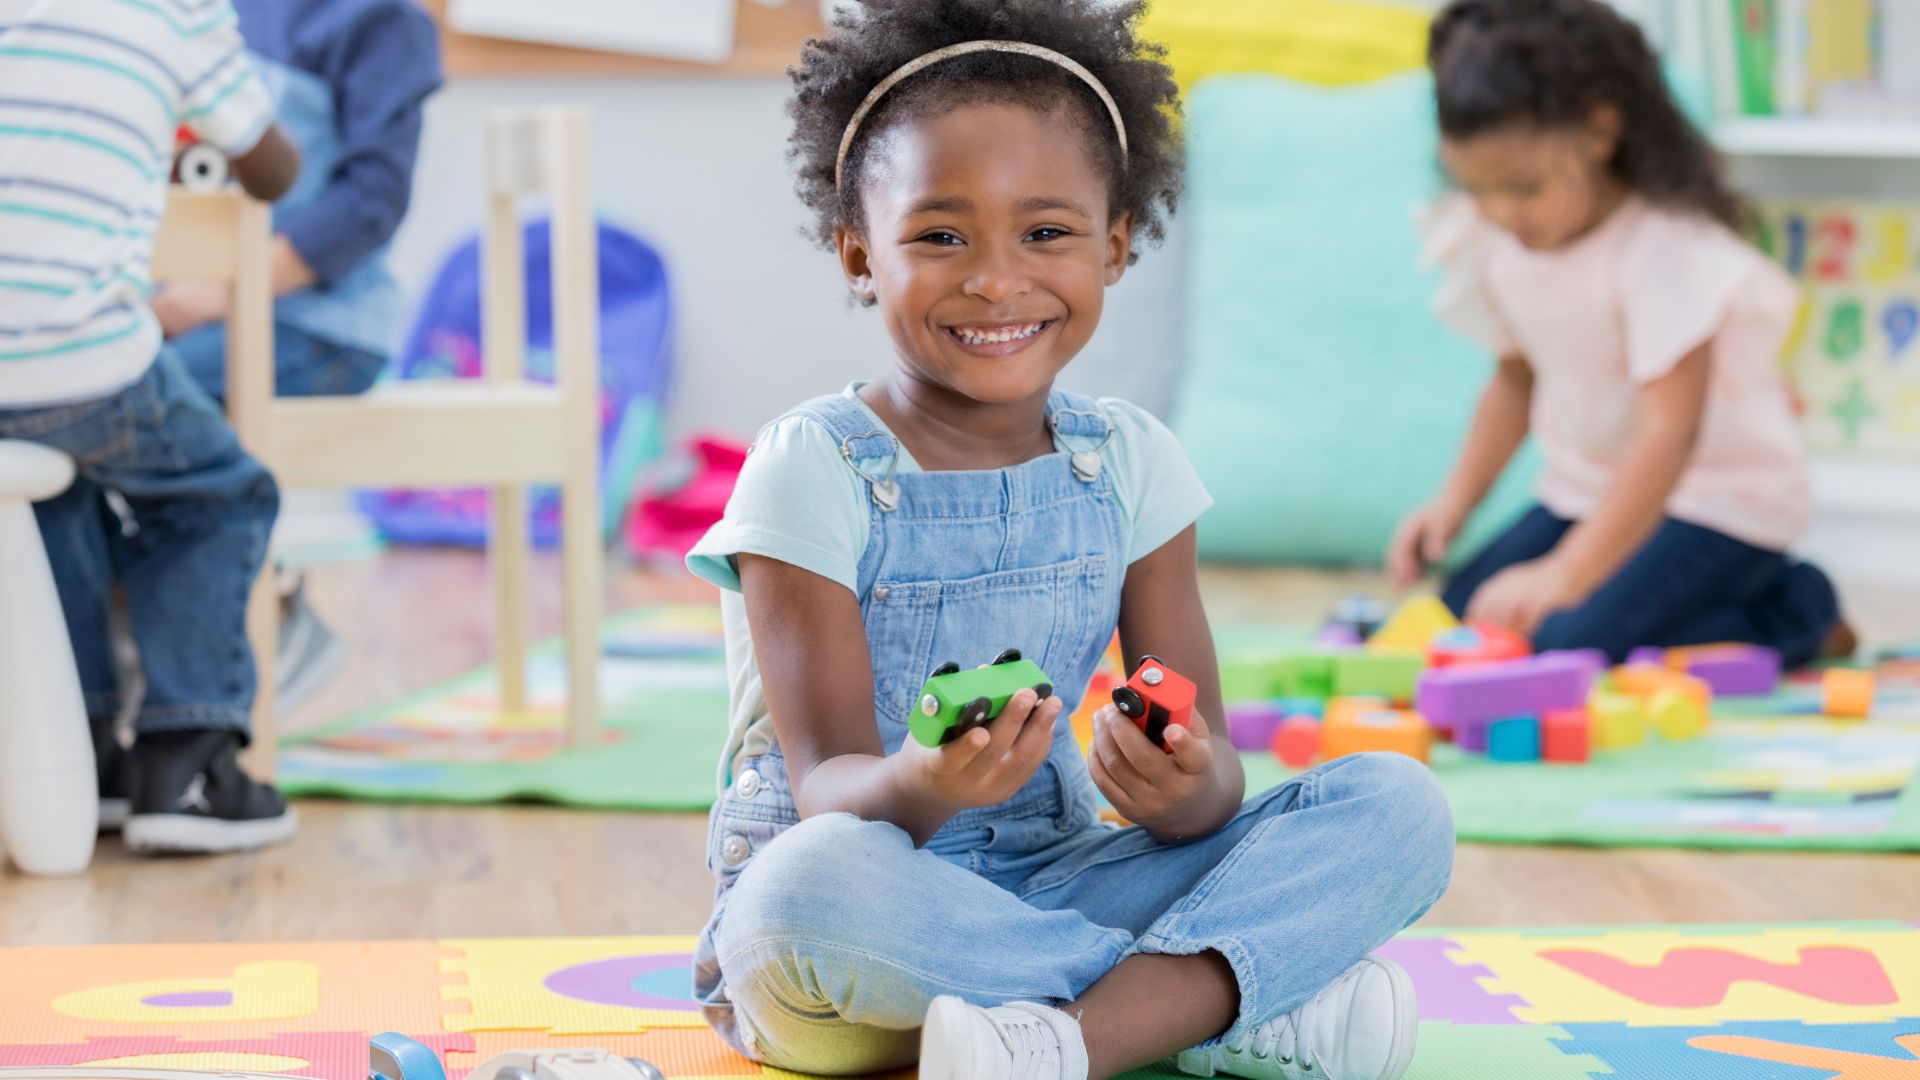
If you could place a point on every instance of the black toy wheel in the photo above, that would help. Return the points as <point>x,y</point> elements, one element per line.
<point>1146,658</point>
<point>947,668</point>
<point>1043,691</point>
<point>974,713</point>
<point>1129,701</point>
<point>1007,656</point>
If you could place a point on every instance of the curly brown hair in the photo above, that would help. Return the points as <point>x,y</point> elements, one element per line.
<point>867,44</point>
<point>1550,63</point>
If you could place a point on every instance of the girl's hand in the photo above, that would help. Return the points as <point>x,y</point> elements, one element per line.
<point>1160,791</point>
<point>1422,539</point>
<point>1524,594</point>
<point>988,764</point>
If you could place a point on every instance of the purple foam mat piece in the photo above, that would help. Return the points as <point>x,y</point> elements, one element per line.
<point>1250,725</point>
<point>1447,990</point>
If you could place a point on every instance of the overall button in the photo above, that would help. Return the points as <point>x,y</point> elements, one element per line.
<point>881,592</point>
<point>747,784</point>
<point>735,849</point>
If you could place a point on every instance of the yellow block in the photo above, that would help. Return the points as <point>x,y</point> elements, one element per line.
<point>1676,716</point>
<point>1327,42</point>
<point>1413,627</point>
<point>1617,721</point>
<point>1643,680</point>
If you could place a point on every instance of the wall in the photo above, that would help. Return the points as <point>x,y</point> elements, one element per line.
<point>697,167</point>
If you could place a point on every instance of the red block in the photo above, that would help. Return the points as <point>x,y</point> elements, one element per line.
<point>1477,643</point>
<point>1297,742</point>
<point>1563,736</point>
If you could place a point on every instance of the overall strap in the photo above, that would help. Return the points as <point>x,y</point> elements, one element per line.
<point>867,448</point>
<point>1083,427</point>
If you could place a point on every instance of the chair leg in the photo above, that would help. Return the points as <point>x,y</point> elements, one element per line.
<point>581,557</point>
<point>263,636</point>
<point>509,555</point>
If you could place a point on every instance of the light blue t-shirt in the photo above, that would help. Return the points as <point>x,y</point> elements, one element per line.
<point>799,501</point>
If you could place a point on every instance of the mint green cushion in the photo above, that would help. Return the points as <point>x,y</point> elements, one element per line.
<point>1322,400</point>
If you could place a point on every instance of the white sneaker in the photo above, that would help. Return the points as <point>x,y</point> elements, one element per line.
<point>1018,1041</point>
<point>1362,1027</point>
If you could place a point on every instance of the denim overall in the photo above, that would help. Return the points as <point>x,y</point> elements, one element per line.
<point>841,931</point>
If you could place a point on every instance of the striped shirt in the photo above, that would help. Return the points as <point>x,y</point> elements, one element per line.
<point>91,95</point>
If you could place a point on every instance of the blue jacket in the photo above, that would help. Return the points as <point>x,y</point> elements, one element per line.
<point>349,77</point>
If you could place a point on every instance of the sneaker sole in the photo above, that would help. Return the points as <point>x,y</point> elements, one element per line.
<point>189,834</point>
<point>1406,1020</point>
<point>945,1015</point>
<point>114,814</point>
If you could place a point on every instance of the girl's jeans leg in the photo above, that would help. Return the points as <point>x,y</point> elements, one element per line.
<point>840,933</point>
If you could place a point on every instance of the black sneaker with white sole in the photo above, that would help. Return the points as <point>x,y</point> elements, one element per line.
<point>191,797</point>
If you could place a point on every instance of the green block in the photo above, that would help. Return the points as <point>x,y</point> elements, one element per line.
<point>1307,675</point>
<point>1250,677</point>
<point>1388,675</point>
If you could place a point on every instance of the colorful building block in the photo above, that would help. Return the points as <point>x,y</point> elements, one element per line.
<point>1477,643</point>
<point>1516,738</point>
<point>1457,696</point>
<point>1470,736</point>
<point>1594,660</point>
<point>1336,636</point>
<point>1358,731</point>
<point>1615,721</point>
<point>1676,715</point>
<point>1414,626</point>
<point>1731,670</point>
<point>1642,680</point>
<point>1251,724</point>
<point>1362,614</point>
<point>1847,692</point>
<point>1315,707</point>
<point>1250,676</point>
<point>1296,742</point>
<point>1648,654</point>
<point>1391,675</point>
<point>1306,675</point>
<point>1564,736</point>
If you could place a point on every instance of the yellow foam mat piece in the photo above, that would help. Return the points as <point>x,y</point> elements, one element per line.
<point>1327,42</point>
<point>567,986</point>
<point>1660,977</point>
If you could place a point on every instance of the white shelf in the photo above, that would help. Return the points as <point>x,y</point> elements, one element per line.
<point>1818,137</point>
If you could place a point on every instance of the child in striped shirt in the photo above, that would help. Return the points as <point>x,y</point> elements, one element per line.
<point>91,95</point>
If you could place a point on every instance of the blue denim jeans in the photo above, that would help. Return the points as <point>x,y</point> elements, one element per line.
<point>1687,585</point>
<point>838,936</point>
<point>186,554</point>
<point>830,936</point>
<point>303,365</point>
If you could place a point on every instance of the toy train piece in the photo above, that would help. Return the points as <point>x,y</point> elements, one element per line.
<point>954,702</point>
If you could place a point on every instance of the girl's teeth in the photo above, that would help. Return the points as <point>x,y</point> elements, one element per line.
<point>996,337</point>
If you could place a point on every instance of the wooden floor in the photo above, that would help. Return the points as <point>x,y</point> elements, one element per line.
<point>360,871</point>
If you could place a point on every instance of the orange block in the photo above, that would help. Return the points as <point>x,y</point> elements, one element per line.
<point>1644,680</point>
<point>1358,730</point>
<point>1847,692</point>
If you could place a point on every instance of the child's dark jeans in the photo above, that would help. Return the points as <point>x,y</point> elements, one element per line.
<point>187,552</point>
<point>1687,585</point>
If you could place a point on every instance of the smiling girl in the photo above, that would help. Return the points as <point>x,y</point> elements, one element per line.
<point>983,168</point>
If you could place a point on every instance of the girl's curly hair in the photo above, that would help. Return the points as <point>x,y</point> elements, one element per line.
<point>866,45</point>
<point>1550,63</point>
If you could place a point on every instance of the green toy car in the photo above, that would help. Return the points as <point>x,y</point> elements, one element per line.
<point>955,702</point>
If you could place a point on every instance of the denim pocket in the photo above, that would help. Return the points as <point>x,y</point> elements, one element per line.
<point>100,431</point>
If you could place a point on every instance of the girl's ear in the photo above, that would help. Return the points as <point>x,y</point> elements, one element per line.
<point>1602,134</point>
<point>854,263</point>
<point>1119,244</point>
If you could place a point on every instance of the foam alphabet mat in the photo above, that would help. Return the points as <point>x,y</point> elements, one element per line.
<point>1771,772</point>
<point>1793,1002</point>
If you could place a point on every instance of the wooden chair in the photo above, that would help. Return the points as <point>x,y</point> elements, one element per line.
<point>503,431</point>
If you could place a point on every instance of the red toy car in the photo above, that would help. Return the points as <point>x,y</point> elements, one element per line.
<point>1156,698</point>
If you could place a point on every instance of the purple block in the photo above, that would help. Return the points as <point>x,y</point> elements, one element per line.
<point>1473,736</point>
<point>1251,726</point>
<point>1734,672</point>
<point>1338,635</point>
<point>1454,697</point>
<point>1648,654</point>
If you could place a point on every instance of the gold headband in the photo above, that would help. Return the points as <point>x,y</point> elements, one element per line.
<point>920,63</point>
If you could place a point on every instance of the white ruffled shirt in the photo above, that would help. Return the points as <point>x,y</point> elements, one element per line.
<point>1618,309</point>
